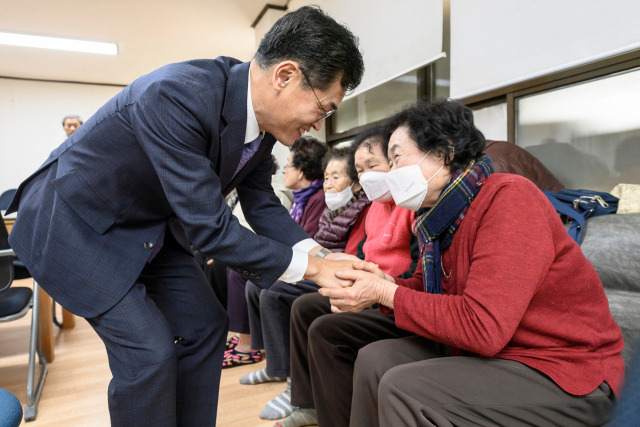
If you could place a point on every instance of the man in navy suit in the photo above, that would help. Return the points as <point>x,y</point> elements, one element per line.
<point>105,224</point>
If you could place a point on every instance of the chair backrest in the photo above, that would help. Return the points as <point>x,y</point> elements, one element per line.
<point>612,244</point>
<point>6,197</point>
<point>6,263</point>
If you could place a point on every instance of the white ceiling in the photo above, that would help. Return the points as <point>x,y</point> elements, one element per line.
<point>149,34</point>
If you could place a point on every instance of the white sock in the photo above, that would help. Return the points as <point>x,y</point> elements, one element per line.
<point>299,418</point>
<point>259,377</point>
<point>280,406</point>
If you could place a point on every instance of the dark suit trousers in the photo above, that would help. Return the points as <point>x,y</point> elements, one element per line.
<point>165,341</point>
<point>324,347</point>
<point>216,274</point>
<point>237,303</point>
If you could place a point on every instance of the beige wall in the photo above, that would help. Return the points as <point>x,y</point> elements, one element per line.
<point>31,115</point>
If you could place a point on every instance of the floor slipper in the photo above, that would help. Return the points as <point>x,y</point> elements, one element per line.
<point>232,342</point>
<point>235,357</point>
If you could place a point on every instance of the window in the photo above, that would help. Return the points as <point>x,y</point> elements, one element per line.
<point>587,134</point>
<point>492,121</point>
<point>590,112</point>
<point>430,81</point>
<point>376,104</point>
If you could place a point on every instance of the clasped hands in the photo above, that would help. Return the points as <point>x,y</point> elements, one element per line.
<point>353,284</point>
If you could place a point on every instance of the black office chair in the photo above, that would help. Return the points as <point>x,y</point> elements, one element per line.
<point>5,198</point>
<point>19,269</point>
<point>15,303</point>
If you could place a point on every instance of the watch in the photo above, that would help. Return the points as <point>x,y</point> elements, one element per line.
<point>323,253</point>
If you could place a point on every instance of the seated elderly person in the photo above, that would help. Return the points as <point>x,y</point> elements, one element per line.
<point>341,230</point>
<point>501,285</point>
<point>303,174</point>
<point>389,243</point>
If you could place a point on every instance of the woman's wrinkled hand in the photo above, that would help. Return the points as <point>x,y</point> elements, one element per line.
<point>368,288</point>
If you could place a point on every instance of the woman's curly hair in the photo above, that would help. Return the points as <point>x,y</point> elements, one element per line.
<point>308,154</point>
<point>444,127</point>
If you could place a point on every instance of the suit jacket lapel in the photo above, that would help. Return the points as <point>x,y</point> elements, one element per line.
<point>234,114</point>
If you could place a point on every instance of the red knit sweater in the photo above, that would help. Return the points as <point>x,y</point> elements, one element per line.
<point>388,243</point>
<point>520,289</point>
<point>357,233</point>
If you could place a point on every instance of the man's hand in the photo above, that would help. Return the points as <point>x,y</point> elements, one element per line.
<point>322,271</point>
<point>336,256</point>
<point>368,288</point>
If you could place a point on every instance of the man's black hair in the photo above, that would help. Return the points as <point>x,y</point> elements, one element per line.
<point>325,49</point>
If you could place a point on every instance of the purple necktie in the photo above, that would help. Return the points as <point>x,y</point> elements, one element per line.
<point>247,152</point>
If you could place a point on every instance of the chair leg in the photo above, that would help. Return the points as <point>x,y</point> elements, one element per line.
<point>33,396</point>
<point>68,318</point>
<point>53,310</point>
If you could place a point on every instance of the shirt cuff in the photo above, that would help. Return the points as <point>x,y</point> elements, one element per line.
<point>299,261</point>
<point>305,245</point>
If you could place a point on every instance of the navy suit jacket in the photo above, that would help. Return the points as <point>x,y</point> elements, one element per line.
<point>159,155</point>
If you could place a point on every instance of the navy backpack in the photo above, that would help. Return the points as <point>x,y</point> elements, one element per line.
<point>578,205</point>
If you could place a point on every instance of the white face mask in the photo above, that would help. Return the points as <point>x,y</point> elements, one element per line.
<point>408,186</point>
<point>339,199</point>
<point>375,186</point>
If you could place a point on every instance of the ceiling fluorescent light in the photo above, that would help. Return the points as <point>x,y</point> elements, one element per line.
<point>57,43</point>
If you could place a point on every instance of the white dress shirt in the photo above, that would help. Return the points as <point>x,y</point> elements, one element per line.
<point>300,260</point>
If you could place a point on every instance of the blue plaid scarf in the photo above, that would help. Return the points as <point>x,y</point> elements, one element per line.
<point>435,229</point>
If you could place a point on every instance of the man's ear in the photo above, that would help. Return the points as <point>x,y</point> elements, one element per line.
<point>284,74</point>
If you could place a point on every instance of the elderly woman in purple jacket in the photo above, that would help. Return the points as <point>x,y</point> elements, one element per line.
<point>303,175</point>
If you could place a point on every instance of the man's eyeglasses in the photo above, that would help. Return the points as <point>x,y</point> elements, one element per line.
<point>325,113</point>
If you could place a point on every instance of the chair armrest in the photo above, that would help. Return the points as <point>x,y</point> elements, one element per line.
<point>6,252</point>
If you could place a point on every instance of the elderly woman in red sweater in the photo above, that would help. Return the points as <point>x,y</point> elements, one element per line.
<point>501,285</point>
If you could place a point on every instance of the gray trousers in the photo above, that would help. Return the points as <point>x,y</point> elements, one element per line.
<point>269,318</point>
<point>411,382</point>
